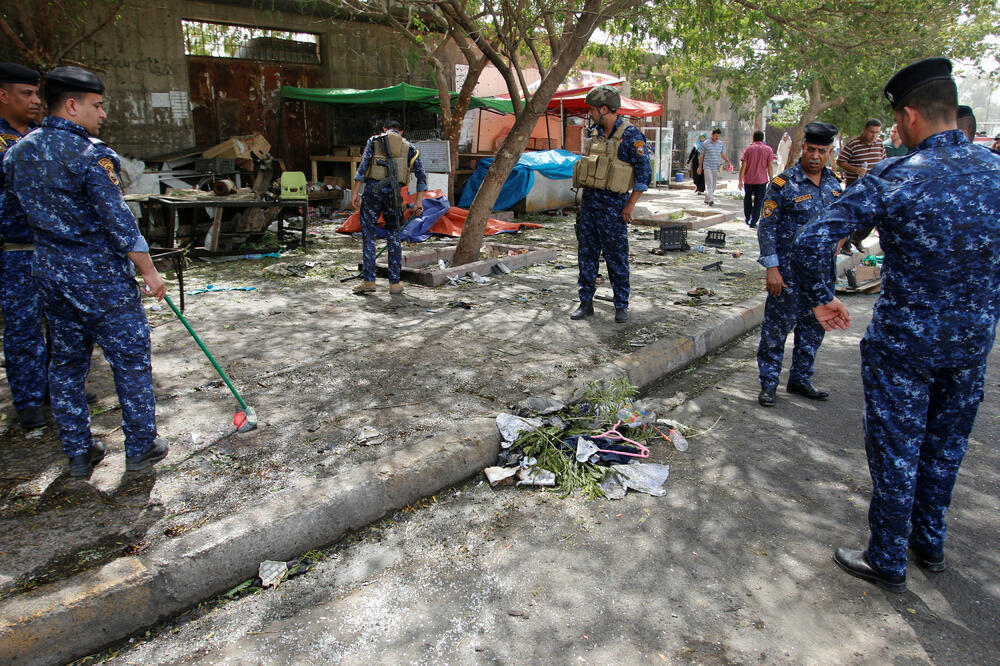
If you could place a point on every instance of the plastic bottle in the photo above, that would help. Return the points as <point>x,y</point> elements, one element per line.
<point>678,440</point>
<point>636,418</point>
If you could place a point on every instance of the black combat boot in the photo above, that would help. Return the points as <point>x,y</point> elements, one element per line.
<point>585,310</point>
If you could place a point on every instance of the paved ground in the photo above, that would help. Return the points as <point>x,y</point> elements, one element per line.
<point>320,364</point>
<point>733,565</point>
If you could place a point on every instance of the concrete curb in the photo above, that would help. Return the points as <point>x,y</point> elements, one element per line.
<point>72,618</point>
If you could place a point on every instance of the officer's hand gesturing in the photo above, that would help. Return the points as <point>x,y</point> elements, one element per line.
<point>833,315</point>
<point>775,283</point>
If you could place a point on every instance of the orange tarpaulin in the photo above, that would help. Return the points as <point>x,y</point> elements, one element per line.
<point>449,225</point>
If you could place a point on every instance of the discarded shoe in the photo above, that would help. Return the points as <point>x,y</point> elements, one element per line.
<point>396,288</point>
<point>807,390</point>
<point>82,465</point>
<point>930,562</point>
<point>621,315</point>
<point>31,418</point>
<point>365,288</point>
<point>585,310</point>
<point>855,563</point>
<point>156,452</point>
<point>766,397</point>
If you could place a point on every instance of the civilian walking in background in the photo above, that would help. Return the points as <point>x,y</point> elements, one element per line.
<point>712,155</point>
<point>756,169</point>
<point>694,158</point>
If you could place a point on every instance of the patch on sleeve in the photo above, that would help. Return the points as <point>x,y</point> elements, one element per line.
<point>769,206</point>
<point>836,193</point>
<point>803,197</point>
<point>109,166</point>
<point>640,147</point>
<point>778,182</point>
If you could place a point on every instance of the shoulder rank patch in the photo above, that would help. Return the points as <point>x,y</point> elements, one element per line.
<point>803,197</point>
<point>769,206</point>
<point>109,166</point>
<point>778,181</point>
<point>836,193</point>
<point>640,147</point>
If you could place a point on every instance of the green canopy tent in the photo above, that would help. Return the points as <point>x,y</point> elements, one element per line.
<point>400,96</point>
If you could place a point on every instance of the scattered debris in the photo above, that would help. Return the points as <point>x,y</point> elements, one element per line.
<point>644,477</point>
<point>715,266</point>
<point>511,427</point>
<point>539,405</point>
<point>271,572</point>
<point>535,476</point>
<point>460,304</point>
<point>500,476</point>
<point>368,434</point>
<point>583,445</point>
<point>210,288</point>
<point>700,291</point>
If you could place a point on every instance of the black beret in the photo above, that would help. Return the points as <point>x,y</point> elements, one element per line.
<point>11,72</point>
<point>820,134</point>
<point>73,79</point>
<point>965,112</point>
<point>913,76</point>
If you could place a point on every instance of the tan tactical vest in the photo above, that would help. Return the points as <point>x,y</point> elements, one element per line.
<point>400,149</point>
<point>600,167</point>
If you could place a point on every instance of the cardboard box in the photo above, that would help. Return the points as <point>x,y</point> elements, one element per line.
<point>339,151</point>
<point>335,181</point>
<point>355,151</point>
<point>241,148</point>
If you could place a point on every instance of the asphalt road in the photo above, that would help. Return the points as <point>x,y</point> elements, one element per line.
<point>733,565</point>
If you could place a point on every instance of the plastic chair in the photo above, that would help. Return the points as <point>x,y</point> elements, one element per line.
<point>293,185</point>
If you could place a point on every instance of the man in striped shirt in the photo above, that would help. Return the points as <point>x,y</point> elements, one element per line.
<point>712,154</point>
<point>856,157</point>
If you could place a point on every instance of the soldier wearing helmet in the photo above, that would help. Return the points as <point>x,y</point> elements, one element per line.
<point>613,173</point>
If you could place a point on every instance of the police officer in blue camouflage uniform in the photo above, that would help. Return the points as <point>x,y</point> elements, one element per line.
<point>87,246</point>
<point>923,358</point>
<point>26,356</point>
<point>793,198</point>
<point>614,172</point>
<point>378,199</point>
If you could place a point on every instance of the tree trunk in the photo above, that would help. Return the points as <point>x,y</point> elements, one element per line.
<point>471,240</point>
<point>816,107</point>
<point>469,243</point>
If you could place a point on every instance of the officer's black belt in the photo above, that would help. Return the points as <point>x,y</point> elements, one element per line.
<point>18,247</point>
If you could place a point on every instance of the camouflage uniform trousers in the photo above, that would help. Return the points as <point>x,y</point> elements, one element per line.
<point>374,204</point>
<point>600,228</point>
<point>782,314</point>
<point>25,352</point>
<point>917,426</point>
<point>117,322</point>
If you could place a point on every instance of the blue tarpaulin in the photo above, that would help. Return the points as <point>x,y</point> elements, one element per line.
<point>554,164</point>
<point>416,228</point>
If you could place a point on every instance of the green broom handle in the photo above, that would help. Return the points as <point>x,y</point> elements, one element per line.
<point>205,349</point>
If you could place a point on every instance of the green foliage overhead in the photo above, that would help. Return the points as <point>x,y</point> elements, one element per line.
<point>835,55</point>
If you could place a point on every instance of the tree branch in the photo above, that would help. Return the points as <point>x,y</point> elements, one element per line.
<point>90,33</point>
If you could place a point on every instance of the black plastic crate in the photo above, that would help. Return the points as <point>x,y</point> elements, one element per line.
<point>673,237</point>
<point>716,239</point>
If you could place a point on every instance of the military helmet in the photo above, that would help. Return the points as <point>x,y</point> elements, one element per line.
<point>604,96</point>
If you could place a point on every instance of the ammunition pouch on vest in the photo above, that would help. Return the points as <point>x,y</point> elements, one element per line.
<point>400,149</point>
<point>600,168</point>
